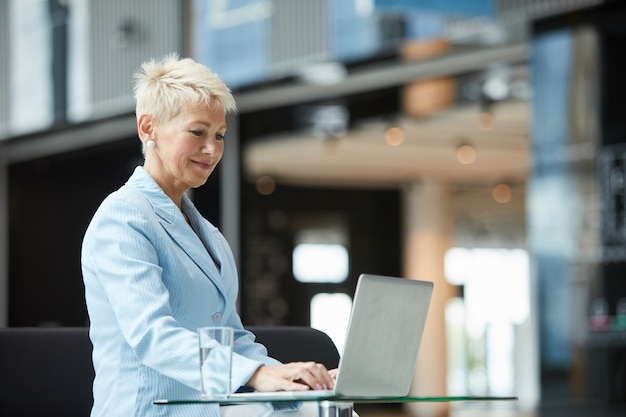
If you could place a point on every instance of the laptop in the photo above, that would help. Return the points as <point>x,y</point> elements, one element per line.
<point>382,342</point>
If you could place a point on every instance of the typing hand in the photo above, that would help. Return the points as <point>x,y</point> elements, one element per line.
<point>294,376</point>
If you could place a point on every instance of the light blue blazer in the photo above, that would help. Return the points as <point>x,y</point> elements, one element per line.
<point>150,281</point>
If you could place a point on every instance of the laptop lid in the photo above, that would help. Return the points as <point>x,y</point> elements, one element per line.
<point>383,338</point>
<point>382,341</point>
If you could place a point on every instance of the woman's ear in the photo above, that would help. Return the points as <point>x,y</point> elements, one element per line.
<point>145,127</point>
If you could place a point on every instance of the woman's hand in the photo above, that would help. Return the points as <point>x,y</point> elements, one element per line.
<point>294,376</point>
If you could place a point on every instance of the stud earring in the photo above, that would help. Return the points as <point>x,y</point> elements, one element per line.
<point>150,144</point>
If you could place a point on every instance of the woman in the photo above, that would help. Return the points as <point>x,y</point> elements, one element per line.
<point>155,270</point>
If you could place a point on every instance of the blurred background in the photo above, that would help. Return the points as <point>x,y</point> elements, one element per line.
<point>478,144</point>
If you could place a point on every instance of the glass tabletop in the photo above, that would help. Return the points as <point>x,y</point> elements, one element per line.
<point>339,399</point>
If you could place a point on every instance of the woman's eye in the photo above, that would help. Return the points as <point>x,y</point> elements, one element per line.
<point>219,137</point>
<point>197,133</point>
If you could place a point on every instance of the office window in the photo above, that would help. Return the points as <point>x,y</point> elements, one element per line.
<point>481,326</point>
<point>321,255</point>
<point>313,262</point>
<point>330,313</point>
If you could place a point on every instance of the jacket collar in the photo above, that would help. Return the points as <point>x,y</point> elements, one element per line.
<point>197,244</point>
<point>163,206</point>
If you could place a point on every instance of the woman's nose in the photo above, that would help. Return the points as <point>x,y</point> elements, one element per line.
<point>210,146</point>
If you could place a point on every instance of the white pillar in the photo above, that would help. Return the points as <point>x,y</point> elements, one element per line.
<point>429,233</point>
<point>230,167</point>
<point>230,190</point>
<point>4,238</point>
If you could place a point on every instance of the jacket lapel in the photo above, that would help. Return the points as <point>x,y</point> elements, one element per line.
<point>194,247</point>
<point>173,222</point>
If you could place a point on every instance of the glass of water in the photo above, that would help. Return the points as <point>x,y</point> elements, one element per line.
<point>216,355</point>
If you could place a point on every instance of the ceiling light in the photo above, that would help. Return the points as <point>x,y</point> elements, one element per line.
<point>394,136</point>
<point>466,154</point>
<point>265,185</point>
<point>496,88</point>
<point>325,120</point>
<point>502,193</point>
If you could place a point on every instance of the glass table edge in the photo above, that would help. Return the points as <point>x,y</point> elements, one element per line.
<point>341,399</point>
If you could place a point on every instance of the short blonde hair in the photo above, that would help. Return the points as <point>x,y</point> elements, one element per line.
<point>164,86</point>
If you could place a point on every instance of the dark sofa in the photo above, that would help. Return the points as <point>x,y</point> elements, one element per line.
<point>48,371</point>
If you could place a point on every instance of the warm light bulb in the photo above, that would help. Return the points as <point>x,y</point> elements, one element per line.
<point>466,154</point>
<point>265,185</point>
<point>502,193</point>
<point>394,136</point>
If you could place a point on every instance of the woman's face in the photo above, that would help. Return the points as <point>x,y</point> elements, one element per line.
<point>187,149</point>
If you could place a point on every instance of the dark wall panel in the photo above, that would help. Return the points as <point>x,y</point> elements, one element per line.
<point>51,202</point>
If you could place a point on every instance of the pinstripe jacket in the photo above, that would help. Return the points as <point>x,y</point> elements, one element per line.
<point>150,281</point>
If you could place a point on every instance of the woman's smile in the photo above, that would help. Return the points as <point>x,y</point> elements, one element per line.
<point>204,165</point>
